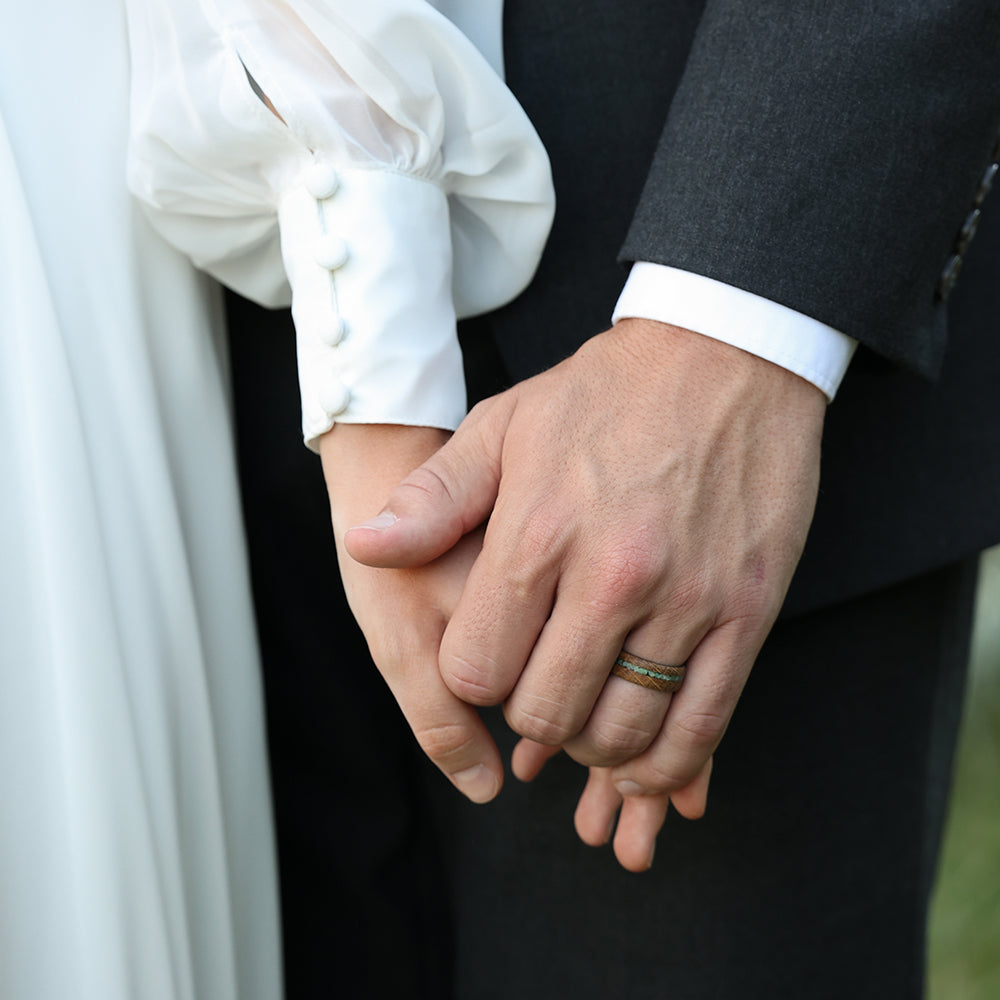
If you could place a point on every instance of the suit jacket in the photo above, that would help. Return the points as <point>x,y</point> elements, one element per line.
<point>825,156</point>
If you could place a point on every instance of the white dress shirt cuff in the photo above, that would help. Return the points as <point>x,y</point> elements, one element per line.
<point>369,260</point>
<point>816,352</point>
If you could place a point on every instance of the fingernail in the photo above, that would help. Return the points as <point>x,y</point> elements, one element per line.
<point>627,788</point>
<point>652,851</point>
<point>477,783</point>
<point>378,523</point>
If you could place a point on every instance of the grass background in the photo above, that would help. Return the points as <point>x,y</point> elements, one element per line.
<point>964,962</point>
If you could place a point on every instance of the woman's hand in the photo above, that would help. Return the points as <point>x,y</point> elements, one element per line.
<point>403,612</point>
<point>639,817</point>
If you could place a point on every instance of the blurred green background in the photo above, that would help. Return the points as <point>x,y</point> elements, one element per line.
<point>965,914</point>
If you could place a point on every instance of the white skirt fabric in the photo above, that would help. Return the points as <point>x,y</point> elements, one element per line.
<point>136,853</point>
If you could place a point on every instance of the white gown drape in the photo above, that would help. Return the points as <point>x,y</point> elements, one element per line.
<point>136,858</point>
<point>136,855</point>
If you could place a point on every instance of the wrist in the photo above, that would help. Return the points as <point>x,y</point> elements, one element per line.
<point>711,366</point>
<point>362,463</point>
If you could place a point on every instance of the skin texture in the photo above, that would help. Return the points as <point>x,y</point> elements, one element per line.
<point>654,492</point>
<point>404,612</point>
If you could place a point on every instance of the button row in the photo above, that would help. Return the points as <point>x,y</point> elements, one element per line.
<point>953,266</point>
<point>331,253</point>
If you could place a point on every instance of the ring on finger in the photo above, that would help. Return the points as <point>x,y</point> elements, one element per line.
<point>648,673</point>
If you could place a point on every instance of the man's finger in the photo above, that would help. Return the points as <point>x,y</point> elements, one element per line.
<point>697,717</point>
<point>628,715</point>
<point>553,662</point>
<point>503,608</point>
<point>442,500</point>
<point>624,721</point>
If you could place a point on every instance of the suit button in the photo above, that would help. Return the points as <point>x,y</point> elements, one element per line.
<point>985,184</point>
<point>949,276</point>
<point>969,228</point>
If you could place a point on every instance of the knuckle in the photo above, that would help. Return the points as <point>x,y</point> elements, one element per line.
<point>540,536</point>
<point>617,741</point>
<point>426,483</point>
<point>631,569</point>
<point>522,579</point>
<point>471,682</point>
<point>543,724</point>
<point>449,744</point>
<point>701,730</point>
<point>657,778</point>
<point>526,565</point>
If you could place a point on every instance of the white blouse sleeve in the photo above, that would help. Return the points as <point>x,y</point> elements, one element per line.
<point>401,185</point>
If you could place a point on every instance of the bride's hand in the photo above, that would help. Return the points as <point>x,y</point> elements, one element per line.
<point>639,817</point>
<point>403,612</point>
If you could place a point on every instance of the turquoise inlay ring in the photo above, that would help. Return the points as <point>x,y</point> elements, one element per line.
<point>648,673</point>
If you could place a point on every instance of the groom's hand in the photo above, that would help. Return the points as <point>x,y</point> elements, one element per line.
<point>651,492</point>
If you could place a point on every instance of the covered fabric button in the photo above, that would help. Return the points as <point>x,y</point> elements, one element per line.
<point>334,396</point>
<point>331,252</point>
<point>321,180</point>
<point>333,332</point>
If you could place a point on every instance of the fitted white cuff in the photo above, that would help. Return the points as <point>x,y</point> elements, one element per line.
<point>368,257</point>
<point>816,352</point>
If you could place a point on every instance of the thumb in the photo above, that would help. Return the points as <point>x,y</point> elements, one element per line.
<point>436,504</point>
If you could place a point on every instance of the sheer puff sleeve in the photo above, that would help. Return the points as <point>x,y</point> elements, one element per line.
<point>395,184</point>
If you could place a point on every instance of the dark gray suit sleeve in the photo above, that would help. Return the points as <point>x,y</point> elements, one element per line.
<point>825,155</point>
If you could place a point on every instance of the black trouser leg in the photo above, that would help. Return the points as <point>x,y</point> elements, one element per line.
<point>809,876</point>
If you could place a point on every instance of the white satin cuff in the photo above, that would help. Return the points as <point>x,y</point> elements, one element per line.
<point>368,256</point>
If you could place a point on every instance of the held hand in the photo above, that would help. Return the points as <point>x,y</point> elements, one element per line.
<point>652,492</point>
<point>403,612</point>
<point>641,816</point>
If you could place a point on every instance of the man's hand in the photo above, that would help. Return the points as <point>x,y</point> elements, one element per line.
<point>651,492</point>
<point>403,612</point>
